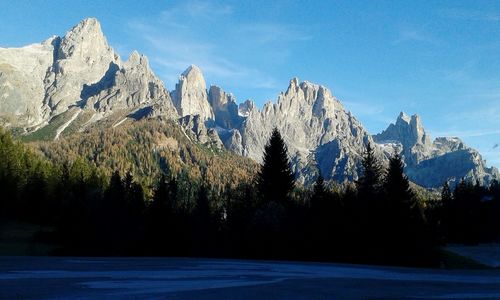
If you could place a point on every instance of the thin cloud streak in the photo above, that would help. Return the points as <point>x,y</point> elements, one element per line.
<point>264,33</point>
<point>466,133</point>
<point>470,15</point>
<point>413,35</point>
<point>197,9</point>
<point>177,42</point>
<point>174,54</point>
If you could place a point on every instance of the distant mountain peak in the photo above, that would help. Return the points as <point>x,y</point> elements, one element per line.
<point>294,83</point>
<point>403,117</point>
<point>81,79</point>
<point>89,31</point>
<point>193,70</point>
<point>90,24</point>
<point>190,95</point>
<point>407,130</point>
<point>136,58</point>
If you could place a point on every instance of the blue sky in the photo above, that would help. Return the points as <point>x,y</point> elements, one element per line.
<point>439,59</point>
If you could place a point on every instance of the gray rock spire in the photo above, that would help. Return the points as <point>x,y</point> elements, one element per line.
<point>430,164</point>
<point>190,95</point>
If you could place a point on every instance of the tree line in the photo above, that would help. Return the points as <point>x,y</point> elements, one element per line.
<point>379,219</point>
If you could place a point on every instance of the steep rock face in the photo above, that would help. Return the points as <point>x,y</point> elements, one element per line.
<point>195,126</point>
<point>22,72</point>
<point>131,86</point>
<point>319,133</point>
<point>41,81</point>
<point>190,95</point>
<point>409,132</point>
<point>430,164</point>
<point>82,58</point>
<point>224,107</point>
<point>452,167</point>
<point>76,80</point>
<point>245,108</point>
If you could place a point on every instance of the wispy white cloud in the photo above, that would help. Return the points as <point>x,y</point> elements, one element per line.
<point>471,15</point>
<point>197,9</point>
<point>178,38</point>
<point>362,109</point>
<point>174,53</point>
<point>415,35</point>
<point>264,33</point>
<point>466,133</point>
<point>368,111</point>
<point>476,97</point>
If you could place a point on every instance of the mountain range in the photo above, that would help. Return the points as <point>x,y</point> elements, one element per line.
<point>67,85</point>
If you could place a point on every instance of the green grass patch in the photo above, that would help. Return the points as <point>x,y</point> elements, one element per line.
<point>78,123</point>
<point>48,132</point>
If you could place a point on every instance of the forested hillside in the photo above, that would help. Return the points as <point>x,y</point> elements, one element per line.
<point>149,148</point>
<point>95,210</point>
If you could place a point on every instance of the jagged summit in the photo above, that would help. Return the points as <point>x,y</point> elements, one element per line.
<point>407,130</point>
<point>190,96</point>
<point>294,84</point>
<point>403,117</point>
<point>136,58</point>
<point>78,81</point>
<point>320,134</point>
<point>85,39</point>
<point>246,107</point>
<point>193,71</point>
<point>87,25</point>
<point>431,163</point>
<point>78,70</point>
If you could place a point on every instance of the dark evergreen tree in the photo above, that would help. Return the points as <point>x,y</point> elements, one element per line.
<point>397,185</point>
<point>275,179</point>
<point>403,214</point>
<point>161,193</point>
<point>320,219</point>
<point>135,199</point>
<point>446,195</point>
<point>115,193</point>
<point>113,215</point>
<point>371,179</point>
<point>367,210</point>
<point>202,223</point>
<point>319,193</point>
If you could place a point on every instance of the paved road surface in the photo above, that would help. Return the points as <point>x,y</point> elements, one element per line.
<point>185,278</point>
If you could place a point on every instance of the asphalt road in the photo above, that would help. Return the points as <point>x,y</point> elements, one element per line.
<point>186,278</point>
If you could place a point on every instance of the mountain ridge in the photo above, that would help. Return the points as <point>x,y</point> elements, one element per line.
<point>79,80</point>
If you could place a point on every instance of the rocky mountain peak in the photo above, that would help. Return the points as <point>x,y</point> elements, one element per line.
<point>80,78</point>
<point>218,97</point>
<point>83,57</point>
<point>88,25</point>
<point>293,86</point>
<point>432,163</point>
<point>403,117</point>
<point>137,60</point>
<point>224,107</point>
<point>194,73</point>
<point>190,95</point>
<point>84,40</point>
<point>409,131</point>
<point>246,107</point>
<point>419,131</point>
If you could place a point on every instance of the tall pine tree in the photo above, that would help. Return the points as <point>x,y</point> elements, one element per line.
<point>403,213</point>
<point>370,181</point>
<point>275,179</point>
